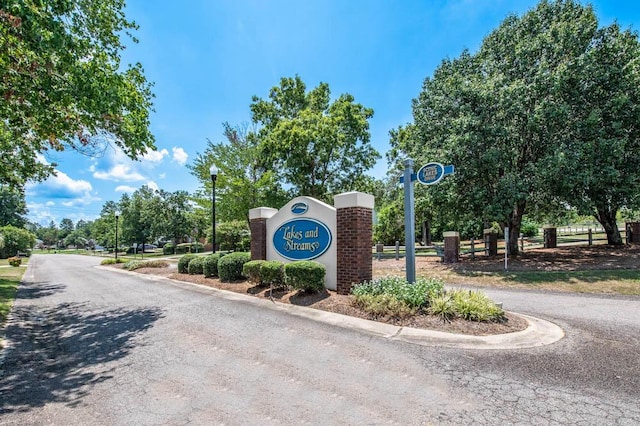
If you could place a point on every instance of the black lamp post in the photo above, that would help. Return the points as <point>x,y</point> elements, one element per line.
<point>213,170</point>
<point>117,216</point>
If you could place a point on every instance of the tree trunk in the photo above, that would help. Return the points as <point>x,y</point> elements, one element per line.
<point>607,219</point>
<point>515,223</point>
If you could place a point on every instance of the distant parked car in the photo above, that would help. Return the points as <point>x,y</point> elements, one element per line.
<point>147,247</point>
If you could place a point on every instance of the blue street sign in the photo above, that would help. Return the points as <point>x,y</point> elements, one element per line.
<point>432,173</point>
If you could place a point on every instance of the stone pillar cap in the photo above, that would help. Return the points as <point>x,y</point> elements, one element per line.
<point>262,213</point>
<point>450,234</point>
<point>354,199</point>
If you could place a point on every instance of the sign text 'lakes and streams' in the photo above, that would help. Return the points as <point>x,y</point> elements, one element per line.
<point>302,239</point>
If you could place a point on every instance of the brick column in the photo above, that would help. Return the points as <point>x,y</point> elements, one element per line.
<point>354,239</point>
<point>258,226</point>
<point>451,247</point>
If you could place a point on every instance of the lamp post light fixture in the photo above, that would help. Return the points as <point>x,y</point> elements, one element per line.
<point>213,170</point>
<point>117,213</point>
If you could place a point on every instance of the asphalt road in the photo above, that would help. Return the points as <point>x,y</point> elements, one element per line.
<point>92,346</point>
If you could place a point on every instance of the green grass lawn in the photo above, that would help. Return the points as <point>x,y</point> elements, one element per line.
<point>9,280</point>
<point>624,281</point>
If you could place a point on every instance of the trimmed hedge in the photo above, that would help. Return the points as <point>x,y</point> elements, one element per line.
<point>230,266</point>
<point>196,266</point>
<point>306,275</point>
<point>169,248</point>
<point>132,265</point>
<point>189,248</point>
<point>272,273</point>
<point>112,261</point>
<point>210,267</point>
<point>14,261</point>
<point>183,263</point>
<point>251,270</point>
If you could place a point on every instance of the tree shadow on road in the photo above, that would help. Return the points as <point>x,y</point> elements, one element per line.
<point>36,290</point>
<point>56,354</point>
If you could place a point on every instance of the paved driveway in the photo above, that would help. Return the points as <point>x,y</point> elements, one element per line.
<point>92,346</point>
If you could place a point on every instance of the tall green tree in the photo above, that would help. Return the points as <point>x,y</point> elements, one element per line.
<point>139,217</point>
<point>597,167</point>
<point>63,86</point>
<point>13,207</point>
<point>499,115</point>
<point>243,181</point>
<point>66,227</point>
<point>49,234</point>
<point>318,147</point>
<point>103,229</point>
<point>172,212</point>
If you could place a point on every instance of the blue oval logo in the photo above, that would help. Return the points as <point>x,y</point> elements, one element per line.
<point>431,173</point>
<point>299,208</point>
<point>302,239</point>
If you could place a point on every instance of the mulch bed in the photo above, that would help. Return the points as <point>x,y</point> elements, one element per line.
<point>332,302</point>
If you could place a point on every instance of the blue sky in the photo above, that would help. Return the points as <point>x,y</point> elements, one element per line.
<point>207,58</point>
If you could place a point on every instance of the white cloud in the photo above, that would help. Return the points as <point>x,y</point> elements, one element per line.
<point>50,204</point>
<point>60,185</point>
<point>152,185</point>
<point>155,156</point>
<point>125,188</point>
<point>180,156</point>
<point>119,172</point>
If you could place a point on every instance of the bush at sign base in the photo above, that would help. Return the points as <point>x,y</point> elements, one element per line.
<point>210,268</point>
<point>183,263</point>
<point>196,266</point>
<point>230,266</point>
<point>306,275</point>
<point>272,273</point>
<point>251,270</point>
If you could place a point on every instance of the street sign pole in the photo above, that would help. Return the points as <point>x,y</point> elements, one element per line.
<point>428,174</point>
<point>409,221</point>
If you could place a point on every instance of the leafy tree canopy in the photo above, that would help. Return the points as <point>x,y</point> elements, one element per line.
<point>13,207</point>
<point>543,117</point>
<point>243,181</point>
<point>317,146</point>
<point>62,85</point>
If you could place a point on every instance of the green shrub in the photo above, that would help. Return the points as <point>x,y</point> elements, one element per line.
<point>475,306</point>
<point>15,240</point>
<point>443,307</point>
<point>306,275</point>
<point>230,265</point>
<point>14,261</point>
<point>210,267</point>
<point>233,235</point>
<point>196,266</point>
<point>383,305</point>
<point>529,229</point>
<point>112,261</point>
<point>272,273</point>
<point>189,248</point>
<point>251,270</point>
<point>132,265</point>
<point>169,248</point>
<point>416,295</point>
<point>183,263</point>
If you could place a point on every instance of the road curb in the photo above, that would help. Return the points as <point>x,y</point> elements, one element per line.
<point>538,333</point>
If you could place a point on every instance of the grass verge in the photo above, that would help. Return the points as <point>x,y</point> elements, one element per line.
<point>9,280</point>
<point>624,281</point>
